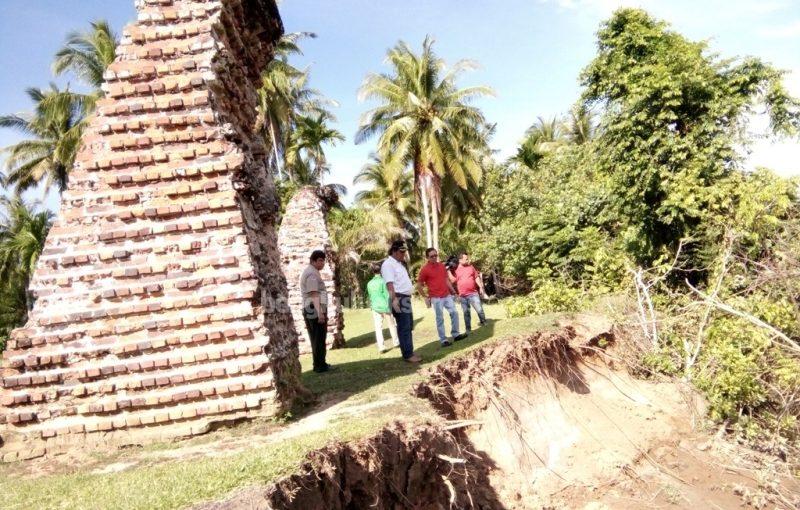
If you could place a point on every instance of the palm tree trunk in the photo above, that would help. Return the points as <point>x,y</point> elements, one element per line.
<point>435,221</point>
<point>275,150</point>
<point>425,197</point>
<point>27,295</point>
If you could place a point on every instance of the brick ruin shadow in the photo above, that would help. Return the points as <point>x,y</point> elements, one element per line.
<point>304,229</point>
<point>149,322</point>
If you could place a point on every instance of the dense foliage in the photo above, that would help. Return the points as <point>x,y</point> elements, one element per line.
<point>655,199</point>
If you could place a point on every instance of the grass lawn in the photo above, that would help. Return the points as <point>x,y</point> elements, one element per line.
<point>363,376</point>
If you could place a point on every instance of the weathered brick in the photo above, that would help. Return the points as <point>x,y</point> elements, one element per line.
<point>152,193</point>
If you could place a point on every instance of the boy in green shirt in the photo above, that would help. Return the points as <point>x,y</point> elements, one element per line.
<point>379,302</point>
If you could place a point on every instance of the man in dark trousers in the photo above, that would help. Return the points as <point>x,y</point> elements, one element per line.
<point>398,282</point>
<point>315,309</point>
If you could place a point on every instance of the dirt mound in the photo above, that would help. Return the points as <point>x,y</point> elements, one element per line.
<point>561,428</point>
<point>462,387</point>
<point>422,468</point>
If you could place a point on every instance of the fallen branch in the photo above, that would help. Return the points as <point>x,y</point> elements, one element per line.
<point>785,339</point>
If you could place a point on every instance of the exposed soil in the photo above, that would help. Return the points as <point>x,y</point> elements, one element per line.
<point>422,468</point>
<point>538,422</point>
<point>564,429</point>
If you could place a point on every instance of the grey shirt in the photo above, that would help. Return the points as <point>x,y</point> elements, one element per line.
<point>311,281</point>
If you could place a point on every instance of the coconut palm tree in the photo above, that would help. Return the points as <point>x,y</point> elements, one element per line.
<point>88,54</point>
<point>580,125</point>
<point>54,130</point>
<point>360,235</point>
<point>542,138</point>
<point>390,187</point>
<point>305,157</point>
<point>23,231</point>
<point>284,96</point>
<point>424,121</point>
<point>547,134</point>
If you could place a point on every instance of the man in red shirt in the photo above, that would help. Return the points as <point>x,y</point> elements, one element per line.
<point>469,283</point>
<point>433,275</point>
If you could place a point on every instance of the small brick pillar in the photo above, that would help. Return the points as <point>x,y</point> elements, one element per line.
<point>304,229</point>
<point>150,319</point>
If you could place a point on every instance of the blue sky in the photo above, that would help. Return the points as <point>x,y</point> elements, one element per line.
<point>530,51</point>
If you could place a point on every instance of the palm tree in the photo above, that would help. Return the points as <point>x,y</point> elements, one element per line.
<point>308,138</point>
<point>284,96</point>
<point>88,54</point>
<point>390,187</point>
<point>547,134</point>
<point>580,126</point>
<point>55,130</point>
<point>542,138</point>
<point>360,235</point>
<point>23,231</point>
<point>426,122</point>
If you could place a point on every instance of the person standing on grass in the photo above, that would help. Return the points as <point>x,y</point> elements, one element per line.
<point>315,309</point>
<point>469,284</point>
<point>398,283</point>
<point>379,303</point>
<point>433,275</point>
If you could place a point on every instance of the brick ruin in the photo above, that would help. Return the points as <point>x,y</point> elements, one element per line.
<point>304,229</point>
<point>149,321</point>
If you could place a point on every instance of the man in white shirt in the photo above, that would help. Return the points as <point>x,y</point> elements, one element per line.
<point>398,282</point>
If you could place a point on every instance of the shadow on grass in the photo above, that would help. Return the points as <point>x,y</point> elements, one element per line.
<point>369,338</point>
<point>351,377</point>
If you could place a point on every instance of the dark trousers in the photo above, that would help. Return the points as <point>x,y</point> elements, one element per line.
<point>405,322</point>
<point>316,334</point>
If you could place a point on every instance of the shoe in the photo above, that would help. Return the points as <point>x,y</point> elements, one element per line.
<point>482,324</point>
<point>414,358</point>
<point>328,368</point>
<point>462,336</point>
<point>447,343</point>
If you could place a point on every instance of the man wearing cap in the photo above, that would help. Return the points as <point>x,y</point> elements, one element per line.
<point>398,283</point>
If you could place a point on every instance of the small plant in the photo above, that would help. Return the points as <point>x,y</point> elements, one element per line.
<point>733,368</point>
<point>550,296</point>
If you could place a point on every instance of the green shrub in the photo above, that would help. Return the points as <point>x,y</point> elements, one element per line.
<point>518,306</point>
<point>549,296</point>
<point>733,367</point>
<point>667,358</point>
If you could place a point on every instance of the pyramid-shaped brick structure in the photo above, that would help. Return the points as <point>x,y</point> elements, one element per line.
<point>304,229</point>
<point>151,317</point>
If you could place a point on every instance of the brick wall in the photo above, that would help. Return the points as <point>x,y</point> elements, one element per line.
<point>149,322</point>
<point>304,229</point>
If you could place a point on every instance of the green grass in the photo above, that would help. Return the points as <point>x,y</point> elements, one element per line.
<point>362,375</point>
<point>362,371</point>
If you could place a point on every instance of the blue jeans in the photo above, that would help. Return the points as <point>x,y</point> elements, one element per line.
<point>448,304</point>
<point>475,301</point>
<point>405,322</point>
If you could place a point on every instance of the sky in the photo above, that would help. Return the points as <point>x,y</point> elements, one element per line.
<point>530,52</point>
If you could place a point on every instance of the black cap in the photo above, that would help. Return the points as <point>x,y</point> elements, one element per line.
<point>398,245</point>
